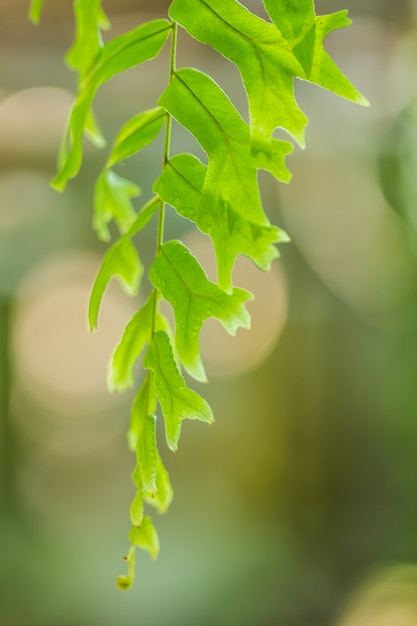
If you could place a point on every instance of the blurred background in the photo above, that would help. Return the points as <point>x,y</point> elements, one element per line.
<point>298,507</point>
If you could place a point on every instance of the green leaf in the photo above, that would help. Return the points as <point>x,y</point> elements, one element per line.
<point>305,33</point>
<point>144,404</point>
<point>137,335</point>
<point>181,185</point>
<point>146,453</point>
<point>230,196</point>
<point>145,537</point>
<point>135,47</point>
<point>35,11</point>
<point>112,200</point>
<point>121,260</point>
<point>136,508</point>
<point>262,55</point>
<point>90,20</point>
<point>177,401</point>
<point>183,282</point>
<point>137,133</point>
<point>144,216</point>
<point>162,497</point>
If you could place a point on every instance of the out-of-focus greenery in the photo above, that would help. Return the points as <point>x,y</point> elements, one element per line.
<point>327,422</point>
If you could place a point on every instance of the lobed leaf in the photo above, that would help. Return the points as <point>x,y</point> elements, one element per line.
<point>181,185</point>
<point>121,260</point>
<point>131,49</point>
<point>112,200</point>
<point>145,537</point>
<point>305,33</point>
<point>262,55</point>
<point>90,19</point>
<point>177,401</point>
<point>230,202</point>
<point>183,282</point>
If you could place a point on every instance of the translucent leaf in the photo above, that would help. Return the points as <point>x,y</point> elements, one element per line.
<point>162,497</point>
<point>144,216</point>
<point>183,282</point>
<point>181,185</point>
<point>230,194</point>
<point>131,49</point>
<point>112,200</point>
<point>137,133</point>
<point>264,58</point>
<point>178,402</point>
<point>305,32</point>
<point>35,11</point>
<point>145,537</point>
<point>144,404</point>
<point>90,20</point>
<point>136,508</point>
<point>121,260</point>
<point>137,334</point>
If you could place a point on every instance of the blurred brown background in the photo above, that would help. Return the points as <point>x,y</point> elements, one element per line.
<point>298,507</point>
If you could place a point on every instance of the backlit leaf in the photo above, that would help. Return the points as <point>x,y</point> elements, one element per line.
<point>230,194</point>
<point>131,49</point>
<point>183,282</point>
<point>162,497</point>
<point>112,200</point>
<point>35,11</point>
<point>145,537</point>
<point>137,335</point>
<point>178,402</point>
<point>122,261</point>
<point>137,133</point>
<point>181,185</point>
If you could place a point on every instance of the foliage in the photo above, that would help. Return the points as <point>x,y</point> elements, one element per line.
<point>221,197</point>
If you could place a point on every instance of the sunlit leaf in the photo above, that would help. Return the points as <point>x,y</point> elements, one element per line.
<point>145,537</point>
<point>230,194</point>
<point>194,298</point>
<point>122,261</point>
<point>137,334</point>
<point>162,497</point>
<point>144,216</point>
<point>181,185</point>
<point>178,402</point>
<point>136,508</point>
<point>89,20</point>
<point>113,200</point>
<point>131,49</point>
<point>137,133</point>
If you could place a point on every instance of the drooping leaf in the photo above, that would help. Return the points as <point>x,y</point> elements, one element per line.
<point>112,200</point>
<point>146,453</point>
<point>137,335</point>
<point>144,404</point>
<point>145,537</point>
<point>181,185</point>
<point>137,133</point>
<point>35,11</point>
<point>144,216</point>
<point>305,33</point>
<point>136,508</point>
<point>177,401</point>
<point>162,497</point>
<point>183,282</point>
<point>90,20</point>
<point>264,58</point>
<point>230,195</point>
<point>131,49</point>
<point>122,261</point>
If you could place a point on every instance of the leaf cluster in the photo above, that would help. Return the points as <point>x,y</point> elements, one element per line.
<point>221,198</point>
